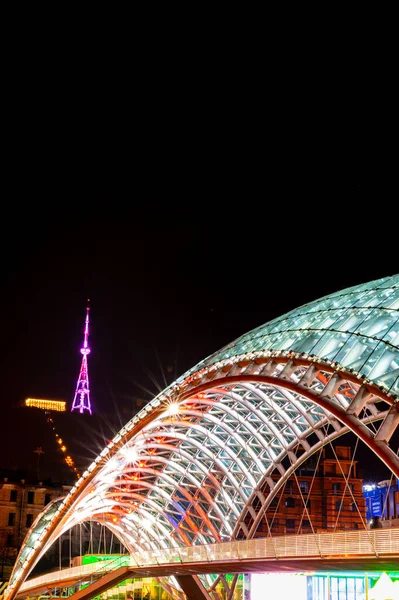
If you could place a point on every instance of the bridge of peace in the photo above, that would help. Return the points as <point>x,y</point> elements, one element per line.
<point>191,484</point>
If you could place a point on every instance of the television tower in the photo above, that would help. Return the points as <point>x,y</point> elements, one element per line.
<point>81,402</point>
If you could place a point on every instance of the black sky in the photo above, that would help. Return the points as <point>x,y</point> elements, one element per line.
<point>168,286</point>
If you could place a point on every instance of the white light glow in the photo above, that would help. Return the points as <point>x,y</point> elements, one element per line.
<point>384,588</point>
<point>284,586</point>
<point>172,409</point>
<point>147,522</point>
<point>130,454</point>
<point>112,465</point>
<point>105,480</point>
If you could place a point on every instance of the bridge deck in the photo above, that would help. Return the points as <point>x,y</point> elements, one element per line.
<point>376,550</point>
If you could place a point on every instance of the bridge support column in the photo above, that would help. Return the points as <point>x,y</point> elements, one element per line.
<point>192,587</point>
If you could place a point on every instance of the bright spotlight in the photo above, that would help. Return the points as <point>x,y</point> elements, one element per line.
<point>172,409</point>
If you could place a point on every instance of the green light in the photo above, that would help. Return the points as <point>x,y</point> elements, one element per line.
<point>94,558</point>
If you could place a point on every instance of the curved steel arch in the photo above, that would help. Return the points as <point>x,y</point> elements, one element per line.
<point>209,443</point>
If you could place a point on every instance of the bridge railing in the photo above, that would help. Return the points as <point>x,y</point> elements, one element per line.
<point>377,542</point>
<point>374,542</point>
<point>81,574</point>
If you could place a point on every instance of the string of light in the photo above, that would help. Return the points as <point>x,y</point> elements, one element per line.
<point>61,444</point>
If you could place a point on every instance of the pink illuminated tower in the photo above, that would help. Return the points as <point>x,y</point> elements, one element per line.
<point>81,402</point>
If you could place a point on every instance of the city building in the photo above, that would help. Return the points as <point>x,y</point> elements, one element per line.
<point>325,494</point>
<point>337,585</point>
<point>46,404</point>
<point>21,502</point>
<point>382,502</point>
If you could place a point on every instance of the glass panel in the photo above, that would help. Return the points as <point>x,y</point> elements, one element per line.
<point>377,323</point>
<point>392,336</point>
<point>394,388</point>
<point>333,318</point>
<point>355,352</point>
<point>329,345</point>
<point>360,587</point>
<point>378,362</point>
<point>334,588</point>
<point>351,319</point>
<point>308,342</point>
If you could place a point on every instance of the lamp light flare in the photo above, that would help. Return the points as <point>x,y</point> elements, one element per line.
<point>172,409</point>
<point>130,454</point>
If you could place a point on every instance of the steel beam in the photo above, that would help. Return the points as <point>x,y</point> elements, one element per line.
<point>192,587</point>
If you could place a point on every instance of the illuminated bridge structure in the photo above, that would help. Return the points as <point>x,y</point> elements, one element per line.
<point>188,469</point>
<point>376,550</point>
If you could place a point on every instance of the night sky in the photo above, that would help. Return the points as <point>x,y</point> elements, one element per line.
<point>165,292</point>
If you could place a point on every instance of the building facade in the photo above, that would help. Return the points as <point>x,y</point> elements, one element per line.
<point>325,495</point>
<point>20,503</point>
<point>382,502</point>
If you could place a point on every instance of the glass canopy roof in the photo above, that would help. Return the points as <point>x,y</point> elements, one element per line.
<point>357,327</point>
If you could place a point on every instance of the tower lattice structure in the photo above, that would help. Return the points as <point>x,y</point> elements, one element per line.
<point>81,401</point>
